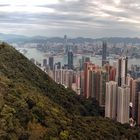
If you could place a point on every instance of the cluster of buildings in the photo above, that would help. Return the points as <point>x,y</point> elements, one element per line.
<point>116,88</point>
<point>122,99</point>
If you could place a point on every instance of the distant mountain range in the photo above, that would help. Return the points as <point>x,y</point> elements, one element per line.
<point>12,38</point>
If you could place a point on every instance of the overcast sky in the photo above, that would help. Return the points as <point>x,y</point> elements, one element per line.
<point>87,18</point>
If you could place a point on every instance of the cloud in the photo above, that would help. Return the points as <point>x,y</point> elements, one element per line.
<point>89,18</point>
<point>3,5</point>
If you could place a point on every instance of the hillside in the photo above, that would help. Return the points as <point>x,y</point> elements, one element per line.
<point>34,107</point>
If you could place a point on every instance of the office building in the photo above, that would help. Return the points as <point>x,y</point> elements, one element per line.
<point>104,53</point>
<point>51,62</point>
<point>66,46</point>
<point>70,60</point>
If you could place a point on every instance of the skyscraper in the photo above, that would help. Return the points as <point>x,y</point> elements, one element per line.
<point>51,62</point>
<point>135,71</point>
<point>44,62</point>
<point>95,84</point>
<point>129,82</point>
<point>87,75</point>
<point>76,82</point>
<point>138,121</point>
<point>70,60</point>
<point>104,53</point>
<point>57,65</point>
<point>104,78</point>
<point>135,99</point>
<point>82,82</point>
<point>66,47</point>
<point>111,100</point>
<point>83,60</point>
<point>121,71</point>
<point>123,100</point>
<point>95,80</point>
<point>64,77</point>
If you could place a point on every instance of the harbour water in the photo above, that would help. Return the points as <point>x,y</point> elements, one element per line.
<point>39,56</point>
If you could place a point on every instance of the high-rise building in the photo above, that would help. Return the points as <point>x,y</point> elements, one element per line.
<point>111,70</point>
<point>104,53</point>
<point>88,67</point>
<point>129,82</point>
<point>70,60</point>
<point>112,74</point>
<point>51,62</point>
<point>44,62</point>
<point>97,85</point>
<point>82,83</point>
<point>95,80</point>
<point>104,78</point>
<point>121,71</point>
<point>82,61</point>
<point>94,84</point>
<point>138,121</point>
<point>135,71</point>
<point>58,76</point>
<point>123,101</point>
<point>64,77</point>
<point>76,83</point>
<point>111,100</point>
<point>66,47</point>
<point>57,65</point>
<point>135,99</point>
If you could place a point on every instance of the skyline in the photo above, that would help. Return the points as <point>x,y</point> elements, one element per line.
<point>86,18</point>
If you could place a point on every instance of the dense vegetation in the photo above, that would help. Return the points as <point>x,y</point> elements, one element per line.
<point>34,107</point>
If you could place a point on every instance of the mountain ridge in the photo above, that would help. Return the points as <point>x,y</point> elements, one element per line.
<point>13,38</point>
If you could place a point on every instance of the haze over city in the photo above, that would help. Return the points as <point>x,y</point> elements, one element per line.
<point>87,18</point>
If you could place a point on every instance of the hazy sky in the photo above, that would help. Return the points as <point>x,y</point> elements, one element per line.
<point>88,18</point>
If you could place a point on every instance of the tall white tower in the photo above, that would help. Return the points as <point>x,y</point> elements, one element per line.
<point>111,100</point>
<point>123,101</point>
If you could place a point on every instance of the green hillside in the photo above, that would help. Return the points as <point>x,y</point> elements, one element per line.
<point>34,107</point>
